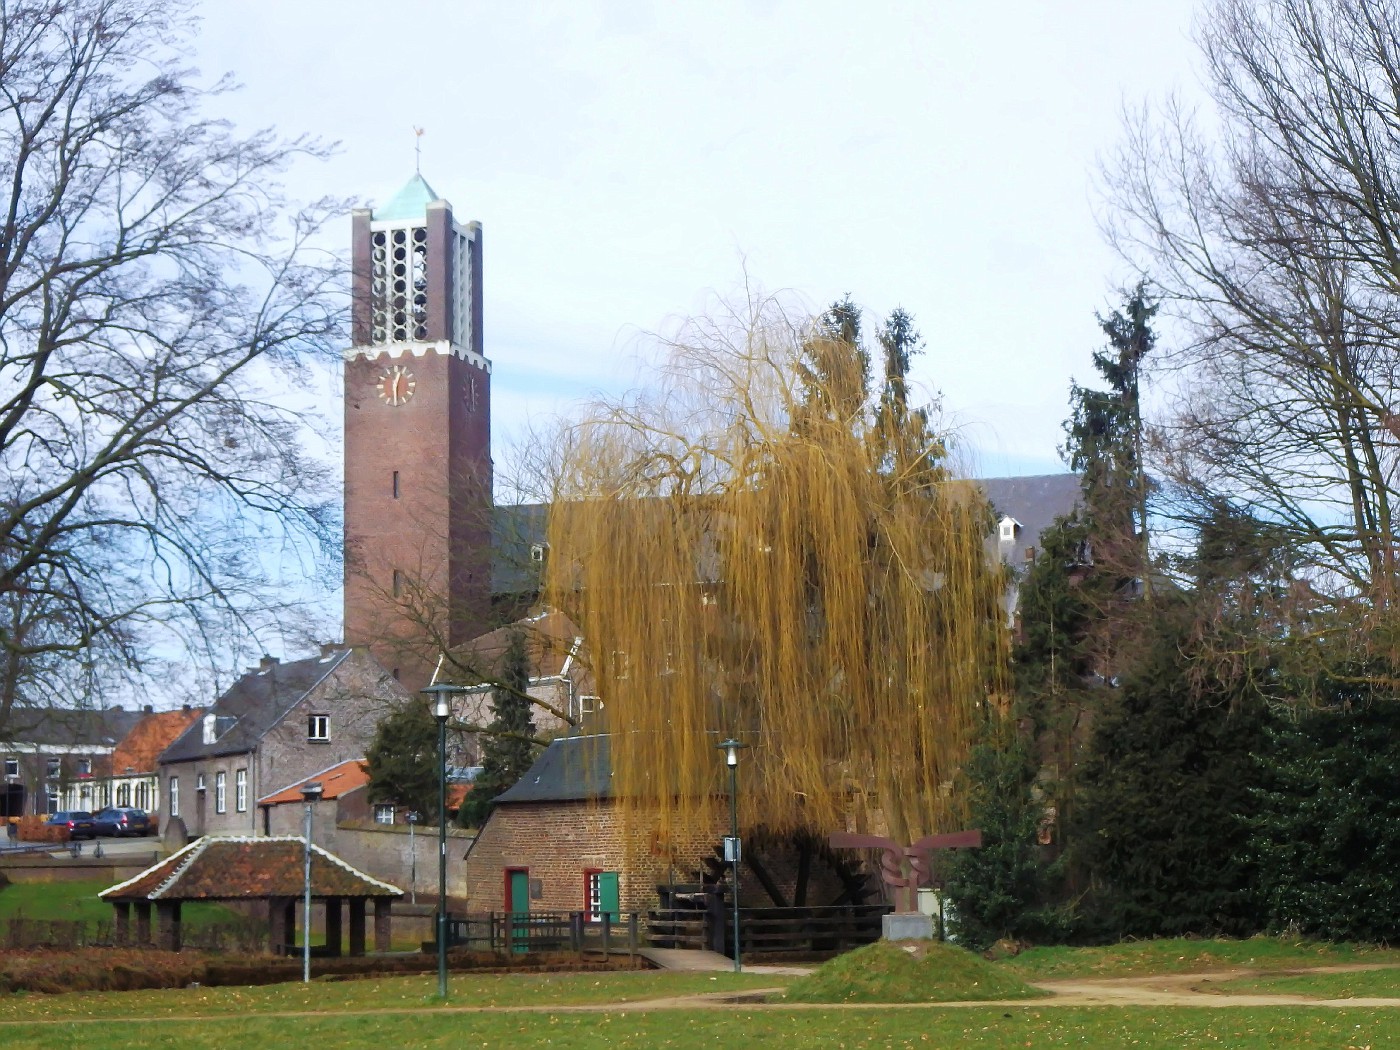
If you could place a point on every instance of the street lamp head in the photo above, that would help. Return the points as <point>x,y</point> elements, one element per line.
<point>311,792</point>
<point>731,748</point>
<point>441,695</point>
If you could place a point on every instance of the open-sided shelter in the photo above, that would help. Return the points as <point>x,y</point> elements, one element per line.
<point>261,869</point>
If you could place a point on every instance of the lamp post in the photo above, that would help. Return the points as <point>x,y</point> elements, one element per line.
<point>731,748</point>
<point>412,858</point>
<point>441,695</point>
<point>310,794</point>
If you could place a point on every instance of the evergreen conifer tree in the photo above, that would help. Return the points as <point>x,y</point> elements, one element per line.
<point>508,745</point>
<point>403,760</point>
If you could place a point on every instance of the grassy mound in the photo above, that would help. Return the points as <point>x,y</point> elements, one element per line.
<point>907,972</point>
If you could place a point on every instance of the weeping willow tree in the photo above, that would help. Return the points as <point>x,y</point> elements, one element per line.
<point>756,546</point>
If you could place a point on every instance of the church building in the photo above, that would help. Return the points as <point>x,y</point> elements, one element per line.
<point>418,469</point>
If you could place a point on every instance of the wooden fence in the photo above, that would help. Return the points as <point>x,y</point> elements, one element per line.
<point>540,931</point>
<point>808,931</point>
<point>236,938</point>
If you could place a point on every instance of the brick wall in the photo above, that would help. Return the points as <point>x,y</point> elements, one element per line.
<point>558,841</point>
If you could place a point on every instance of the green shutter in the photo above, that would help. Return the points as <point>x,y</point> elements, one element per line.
<point>608,900</point>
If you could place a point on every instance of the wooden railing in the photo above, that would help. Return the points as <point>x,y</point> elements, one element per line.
<point>768,930</point>
<point>538,931</point>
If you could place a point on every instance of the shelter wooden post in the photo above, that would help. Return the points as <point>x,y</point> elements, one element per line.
<point>333,911</point>
<point>168,918</point>
<point>277,935</point>
<point>121,925</point>
<point>357,926</point>
<point>143,922</point>
<point>382,938</point>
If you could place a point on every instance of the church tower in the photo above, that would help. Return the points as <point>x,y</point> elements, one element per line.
<point>417,435</point>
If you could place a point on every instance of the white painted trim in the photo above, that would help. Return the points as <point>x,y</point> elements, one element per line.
<point>419,349</point>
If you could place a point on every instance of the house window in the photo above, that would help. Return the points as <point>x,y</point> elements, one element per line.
<point>1030,554</point>
<point>600,889</point>
<point>537,551</point>
<point>123,794</point>
<point>240,790</point>
<point>383,814</point>
<point>51,790</point>
<point>318,729</point>
<point>51,767</point>
<point>398,583</point>
<point>12,767</point>
<point>174,796</point>
<point>84,767</point>
<point>199,781</point>
<point>622,663</point>
<point>220,792</point>
<point>143,795</point>
<point>396,484</point>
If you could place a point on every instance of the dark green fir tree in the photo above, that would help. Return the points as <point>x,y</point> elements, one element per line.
<point>403,760</point>
<point>509,746</point>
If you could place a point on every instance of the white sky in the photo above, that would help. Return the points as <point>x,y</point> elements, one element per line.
<point>629,161</point>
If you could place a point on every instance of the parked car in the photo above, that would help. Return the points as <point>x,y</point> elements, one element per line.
<point>123,820</point>
<point>77,821</point>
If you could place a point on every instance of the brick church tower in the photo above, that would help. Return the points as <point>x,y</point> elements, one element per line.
<point>417,435</point>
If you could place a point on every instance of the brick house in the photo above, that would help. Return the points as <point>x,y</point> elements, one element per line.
<point>556,842</point>
<point>559,678</point>
<point>274,726</point>
<point>132,778</point>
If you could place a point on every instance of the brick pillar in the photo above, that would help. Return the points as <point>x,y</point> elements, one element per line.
<point>143,923</point>
<point>382,937</point>
<point>168,919</point>
<point>333,910</point>
<point>357,926</point>
<point>121,926</point>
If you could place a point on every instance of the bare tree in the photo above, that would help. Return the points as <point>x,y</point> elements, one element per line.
<point>154,286</point>
<point>1271,227</point>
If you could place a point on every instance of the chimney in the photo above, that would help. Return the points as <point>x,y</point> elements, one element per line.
<point>330,649</point>
<point>185,708</point>
<point>211,728</point>
<point>148,709</point>
<point>267,662</point>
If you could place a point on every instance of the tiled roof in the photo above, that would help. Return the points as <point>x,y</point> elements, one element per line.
<point>253,705</point>
<point>550,639</point>
<point>238,868</point>
<point>336,781</point>
<point>569,769</point>
<point>141,747</point>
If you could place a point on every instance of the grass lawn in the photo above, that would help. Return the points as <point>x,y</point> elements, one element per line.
<point>908,972</point>
<point>417,992</point>
<point>1148,1028</point>
<point>78,901</point>
<point>1364,984</point>
<point>1135,958</point>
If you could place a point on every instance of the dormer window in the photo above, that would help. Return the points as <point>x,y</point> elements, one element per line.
<point>538,551</point>
<point>1010,528</point>
<point>318,729</point>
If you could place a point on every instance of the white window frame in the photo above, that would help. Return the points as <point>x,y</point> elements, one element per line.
<point>382,809</point>
<point>53,767</point>
<point>220,792</point>
<point>12,767</point>
<point>240,790</point>
<point>318,729</point>
<point>174,796</point>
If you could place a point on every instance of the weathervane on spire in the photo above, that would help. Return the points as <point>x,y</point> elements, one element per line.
<point>417,150</point>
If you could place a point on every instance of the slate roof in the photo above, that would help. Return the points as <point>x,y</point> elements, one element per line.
<point>1034,501</point>
<point>572,768</point>
<point>68,726</point>
<point>141,747</point>
<point>338,780</point>
<point>240,868</point>
<point>253,705</point>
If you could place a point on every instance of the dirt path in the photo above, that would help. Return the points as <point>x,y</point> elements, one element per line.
<point>1183,989</point>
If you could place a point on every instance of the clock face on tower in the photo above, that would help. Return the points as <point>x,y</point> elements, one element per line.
<point>395,385</point>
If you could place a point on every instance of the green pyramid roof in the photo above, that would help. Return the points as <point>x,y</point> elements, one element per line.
<point>411,202</point>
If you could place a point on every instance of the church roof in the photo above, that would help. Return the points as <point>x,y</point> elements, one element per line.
<point>411,202</point>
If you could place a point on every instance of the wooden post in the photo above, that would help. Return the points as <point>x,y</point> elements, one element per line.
<point>382,930</point>
<point>607,932</point>
<point>168,919</point>
<point>276,926</point>
<point>332,905</point>
<point>289,926</point>
<point>121,926</point>
<point>143,923</point>
<point>576,931</point>
<point>357,926</point>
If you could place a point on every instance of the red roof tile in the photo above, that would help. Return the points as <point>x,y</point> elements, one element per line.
<point>218,868</point>
<point>336,781</point>
<point>140,748</point>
